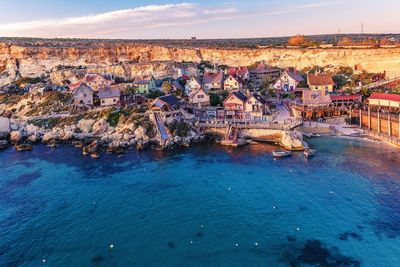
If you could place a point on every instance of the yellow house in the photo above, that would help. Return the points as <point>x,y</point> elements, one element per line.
<point>320,82</point>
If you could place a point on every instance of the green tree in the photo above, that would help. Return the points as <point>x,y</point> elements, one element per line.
<point>167,87</point>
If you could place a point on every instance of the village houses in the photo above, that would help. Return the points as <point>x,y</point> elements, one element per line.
<point>199,98</point>
<point>261,73</point>
<point>83,95</point>
<point>165,103</point>
<point>192,85</point>
<point>240,106</point>
<point>288,81</point>
<point>320,82</point>
<point>109,96</point>
<point>230,83</point>
<point>212,81</point>
<point>144,84</point>
<point>96,81</point>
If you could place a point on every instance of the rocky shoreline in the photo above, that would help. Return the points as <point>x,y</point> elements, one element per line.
<point>93,136</point>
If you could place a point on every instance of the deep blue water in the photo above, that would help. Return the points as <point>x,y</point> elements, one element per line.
<point>202,206</point>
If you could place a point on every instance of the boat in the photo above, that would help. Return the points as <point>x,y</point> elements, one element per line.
<point>281,154</point>
<point>23,147</point>
<point>308,153</point>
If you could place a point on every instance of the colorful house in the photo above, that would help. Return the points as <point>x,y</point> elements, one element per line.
<point>230,83</point>
<point>212,81</point>
<point>384,100</point>
<point>288,81</point>
<point>192,85</point>
<point>261,73</point>
<point>320,82</point>
<point>235,102</point>
<point>109,96</point>
<point>199,98</point>
<point>83,95</point>
<point>256,106</point>
<point>144,84</point>
<point>165,103</point>
<point>96,81</point>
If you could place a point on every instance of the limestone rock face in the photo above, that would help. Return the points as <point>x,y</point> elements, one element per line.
<point>33,59</point>
<point>100,127</point>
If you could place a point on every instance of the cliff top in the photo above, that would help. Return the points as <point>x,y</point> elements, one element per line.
<point>185,43</point>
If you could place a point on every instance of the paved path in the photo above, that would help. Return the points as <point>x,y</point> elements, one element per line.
<point>161,127</point>
<point>283,113</point>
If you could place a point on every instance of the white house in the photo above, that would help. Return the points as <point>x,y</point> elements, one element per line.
<point>192,85</point>
<point>288,81</point>
<point>199,98</point>
<point>109,96</point>
<point>230,83</point>
<point>212,81</point>
<point>96,81</point>
<point>83,95</point>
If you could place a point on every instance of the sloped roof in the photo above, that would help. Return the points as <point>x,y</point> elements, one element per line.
<point>91,77</point>
<point>344,97</point>
<point>212,77</point>
<point>319,79</point>
<point>195,92</point>
<point>169,99</point>
<point>83,87</point>
<point>142,80</point>
<point>388,97</point>
<point>259,98</point>
<point>108,92</point>
<point>295,76</point>
<point>238,95</point>
<point>178,85</point>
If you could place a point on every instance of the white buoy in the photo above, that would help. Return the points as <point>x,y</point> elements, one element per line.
<point>298,229</point>
<point>237,244</point>
<point>191,242</point>
<point>331,192</point>
<point>274,207</point>
<point>201,226</point>
<point>111,246</point>
<point>94,202</point>
<point>44,260</point>
<point>256,244</point>
<point>229,189</point>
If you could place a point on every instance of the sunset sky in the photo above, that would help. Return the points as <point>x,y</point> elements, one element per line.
<point>132,19</point>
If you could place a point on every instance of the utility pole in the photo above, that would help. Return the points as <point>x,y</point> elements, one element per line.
<point>362,27</point>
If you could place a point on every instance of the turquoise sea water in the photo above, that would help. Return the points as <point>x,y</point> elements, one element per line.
<point>202,206</point>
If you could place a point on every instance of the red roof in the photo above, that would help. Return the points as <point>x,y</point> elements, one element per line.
<point>319,79</point>
<point>344,97</point>
<point>389,97</point>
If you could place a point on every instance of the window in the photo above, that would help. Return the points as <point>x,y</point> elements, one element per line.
<point>84,95</point>
<point>316,87</point>
<point>102,101</point>
<point>326,87</point>
<point>200,96</point>
<point>114,100</point>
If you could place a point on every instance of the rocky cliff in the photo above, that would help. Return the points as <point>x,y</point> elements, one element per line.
<point>34,59</point>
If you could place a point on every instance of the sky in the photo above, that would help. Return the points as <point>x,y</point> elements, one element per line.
<point>170,19</point>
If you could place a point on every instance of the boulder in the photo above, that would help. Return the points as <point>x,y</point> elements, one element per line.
<point>100,127</point>
<point>92,148</point>
<point>67,135</point>
<point>14,125</point>
<point>140,134</point>
<point>48,137</point>
<point>292,140</point>
<point>33,130</point>
<point>4,127</point>
<point>33,139</point>
<point>15,136</point>
<point>85,125</point>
